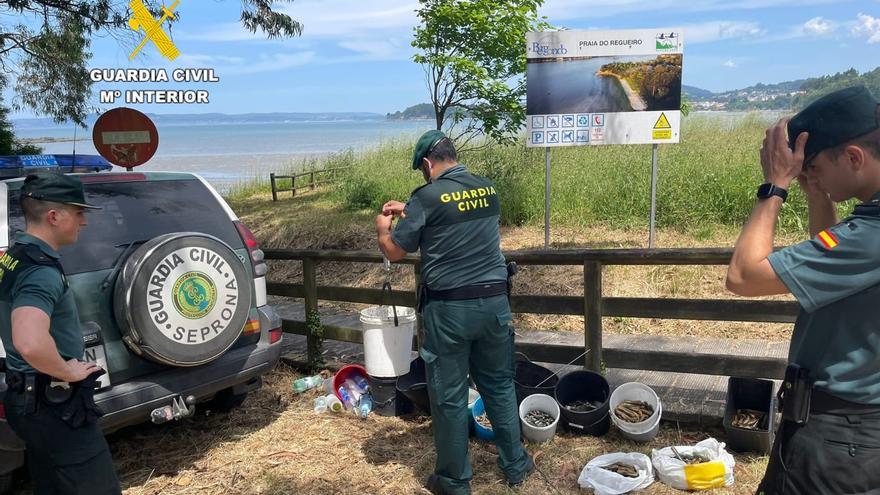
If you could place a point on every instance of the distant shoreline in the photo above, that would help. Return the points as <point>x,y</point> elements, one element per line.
<point>47,139</point>
<point>635,100</point>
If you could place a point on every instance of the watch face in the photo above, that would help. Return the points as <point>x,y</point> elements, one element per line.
<point>764,190</point>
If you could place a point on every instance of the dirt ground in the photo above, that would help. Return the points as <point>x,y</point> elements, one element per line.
<point>276,444</point>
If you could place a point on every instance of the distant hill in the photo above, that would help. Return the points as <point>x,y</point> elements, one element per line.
<point>420,111</point>
<point>218,118</point>
<point>695,93</point>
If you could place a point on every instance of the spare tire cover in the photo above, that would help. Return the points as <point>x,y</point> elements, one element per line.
<point>182,298</point>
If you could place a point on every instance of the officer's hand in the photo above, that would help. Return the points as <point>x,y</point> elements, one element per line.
<point>394,208</point>
<point>811,188</point>
<point>779,163</point>
<point>78,370</point>
<point>383,223</point>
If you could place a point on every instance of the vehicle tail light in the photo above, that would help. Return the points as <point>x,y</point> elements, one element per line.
<point>253,247</point>
<point>252,327</point>
<point>275,335</point>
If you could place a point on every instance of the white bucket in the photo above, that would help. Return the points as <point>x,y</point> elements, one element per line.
<point>643,431</point>
<point>544,403</point>
<point>387,348</point>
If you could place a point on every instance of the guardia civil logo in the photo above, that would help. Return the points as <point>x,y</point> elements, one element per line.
<point>194,295</point>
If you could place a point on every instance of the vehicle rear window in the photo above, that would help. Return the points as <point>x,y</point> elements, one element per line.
<point>137,211</point>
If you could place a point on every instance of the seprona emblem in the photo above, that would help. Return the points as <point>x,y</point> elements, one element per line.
<point>194,295</point>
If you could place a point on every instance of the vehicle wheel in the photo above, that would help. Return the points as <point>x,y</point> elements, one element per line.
<point>182,299</point>
<point>225,401</point>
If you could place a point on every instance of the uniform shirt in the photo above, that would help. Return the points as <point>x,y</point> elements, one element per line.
<point>456,229</point>
<point>836,279</point>
<point>42,287</point>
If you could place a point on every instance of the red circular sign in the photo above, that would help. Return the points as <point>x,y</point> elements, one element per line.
<point>125,137</point>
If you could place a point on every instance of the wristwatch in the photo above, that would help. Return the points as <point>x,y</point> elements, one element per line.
<point>767,190</point>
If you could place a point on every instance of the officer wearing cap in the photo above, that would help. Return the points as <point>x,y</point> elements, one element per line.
<point>49,402</point>
<point>453,221</point>
<point>829,438</point>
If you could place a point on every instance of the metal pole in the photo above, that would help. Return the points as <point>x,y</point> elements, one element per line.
<point>547,198</point>
<point>653,193</point>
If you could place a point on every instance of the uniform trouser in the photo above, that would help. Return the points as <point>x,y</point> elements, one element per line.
<point>832,454</point>
<point>475,335</point>
<point>61,459</point>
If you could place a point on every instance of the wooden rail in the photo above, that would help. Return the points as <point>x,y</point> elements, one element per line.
<point>591,305</point>
<point>311,184</point>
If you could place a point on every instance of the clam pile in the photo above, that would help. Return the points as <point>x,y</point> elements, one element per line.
<point>539,419</point>
<point>748,419</point>
<point>623,470</point>
<point>483,420</point>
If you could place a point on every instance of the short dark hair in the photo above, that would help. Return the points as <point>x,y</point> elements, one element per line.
<point>443,151</point>
<point>35,209</point>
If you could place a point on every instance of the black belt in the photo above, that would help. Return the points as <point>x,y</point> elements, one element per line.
<point>468,292</point>
<point>823,402</point>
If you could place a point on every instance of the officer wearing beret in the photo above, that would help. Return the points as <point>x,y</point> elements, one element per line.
<point>49,403</point>
<point>829,438</point>
<point>453,221</point>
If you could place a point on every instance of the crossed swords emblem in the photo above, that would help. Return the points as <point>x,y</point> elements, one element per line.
<point>142,19</point>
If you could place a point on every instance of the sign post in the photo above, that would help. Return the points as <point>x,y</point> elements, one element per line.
<point>125,137</point>
<point>591,88</point>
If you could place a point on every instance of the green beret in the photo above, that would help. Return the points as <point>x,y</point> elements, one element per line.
<point>834,119</point>
<point>425,145</point>
<point>58,188</point>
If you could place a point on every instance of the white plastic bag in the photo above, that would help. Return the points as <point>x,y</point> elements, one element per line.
<point>716,473</point>
<point>604,482</point>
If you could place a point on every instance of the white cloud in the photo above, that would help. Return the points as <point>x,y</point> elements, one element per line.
<point>269,63</point>
<point>378,50</point>
<point>573,9</point>
<point>867,26</point>
<point>730,64</point>
<point>720,30</point>
<point>818,26</point>
<point>199,60</point>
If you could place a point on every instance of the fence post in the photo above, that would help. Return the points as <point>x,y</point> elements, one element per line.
<point>593,315</point>
<point>293,186</point>
<point>420,330</point>
<point>310,284</point>
<point>274,191</point>
<point>312,180</point>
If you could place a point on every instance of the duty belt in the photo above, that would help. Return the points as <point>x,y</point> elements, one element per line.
<point>34,386</point>
<point>468,292</point>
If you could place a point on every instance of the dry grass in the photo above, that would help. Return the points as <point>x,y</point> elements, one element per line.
<point>312,221</point>
<point>276,444</point>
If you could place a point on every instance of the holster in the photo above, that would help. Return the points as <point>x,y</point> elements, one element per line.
<point>794,394</point>
<point>511,271</point>
<point>422,297</point>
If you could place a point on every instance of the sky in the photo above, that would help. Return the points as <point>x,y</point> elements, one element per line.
<point>355,55</point>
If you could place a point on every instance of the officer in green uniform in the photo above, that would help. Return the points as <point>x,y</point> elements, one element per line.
<point>829,438</point>
<point>49,403</point>
<point>453,221</point>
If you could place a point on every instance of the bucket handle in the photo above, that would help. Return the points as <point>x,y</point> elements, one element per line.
<point>555,373</point>
<point>387,285</point>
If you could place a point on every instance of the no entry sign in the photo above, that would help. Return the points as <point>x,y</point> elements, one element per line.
<point>125,137</point>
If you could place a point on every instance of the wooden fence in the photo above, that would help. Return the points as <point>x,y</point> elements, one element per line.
<point>592,305</point>
<point>312,183</point>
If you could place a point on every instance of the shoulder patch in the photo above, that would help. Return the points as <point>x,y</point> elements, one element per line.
<point>828,239</point>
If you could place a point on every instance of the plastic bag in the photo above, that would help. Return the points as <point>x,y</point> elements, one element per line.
<point>716,473</point>
<point>605,482</point>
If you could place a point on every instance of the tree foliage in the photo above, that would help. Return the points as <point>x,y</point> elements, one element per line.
<point>9,145</point>
<point>658,81</point>
<point>46,48</point>
<point>474,56</point>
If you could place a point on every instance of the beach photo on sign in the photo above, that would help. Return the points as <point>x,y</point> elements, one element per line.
<point>603,84</point>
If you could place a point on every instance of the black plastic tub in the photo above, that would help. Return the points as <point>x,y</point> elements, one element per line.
<point>528,375</point>
<point>755,394</point>
<point>413,385</point>
<point>387,401</point>
<point>584,385</point>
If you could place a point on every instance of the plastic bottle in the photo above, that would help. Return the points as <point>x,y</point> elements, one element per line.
<point>362,383</point>
<point>321,404</point>
<point>328,385</point>
<point>347,400</point>
<point>333,403</point>
<point>365,406</point>
<point>307,382</point>
<point>353,389</point>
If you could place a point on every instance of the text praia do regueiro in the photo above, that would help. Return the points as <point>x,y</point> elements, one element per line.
<point>165,96</point>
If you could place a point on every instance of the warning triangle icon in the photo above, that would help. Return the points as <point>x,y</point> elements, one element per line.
<point>662,122</point>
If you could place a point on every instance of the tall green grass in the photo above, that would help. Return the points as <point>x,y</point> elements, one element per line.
<point>708,179</point>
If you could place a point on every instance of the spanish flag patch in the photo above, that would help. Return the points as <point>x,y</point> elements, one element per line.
<point>828,239</point>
